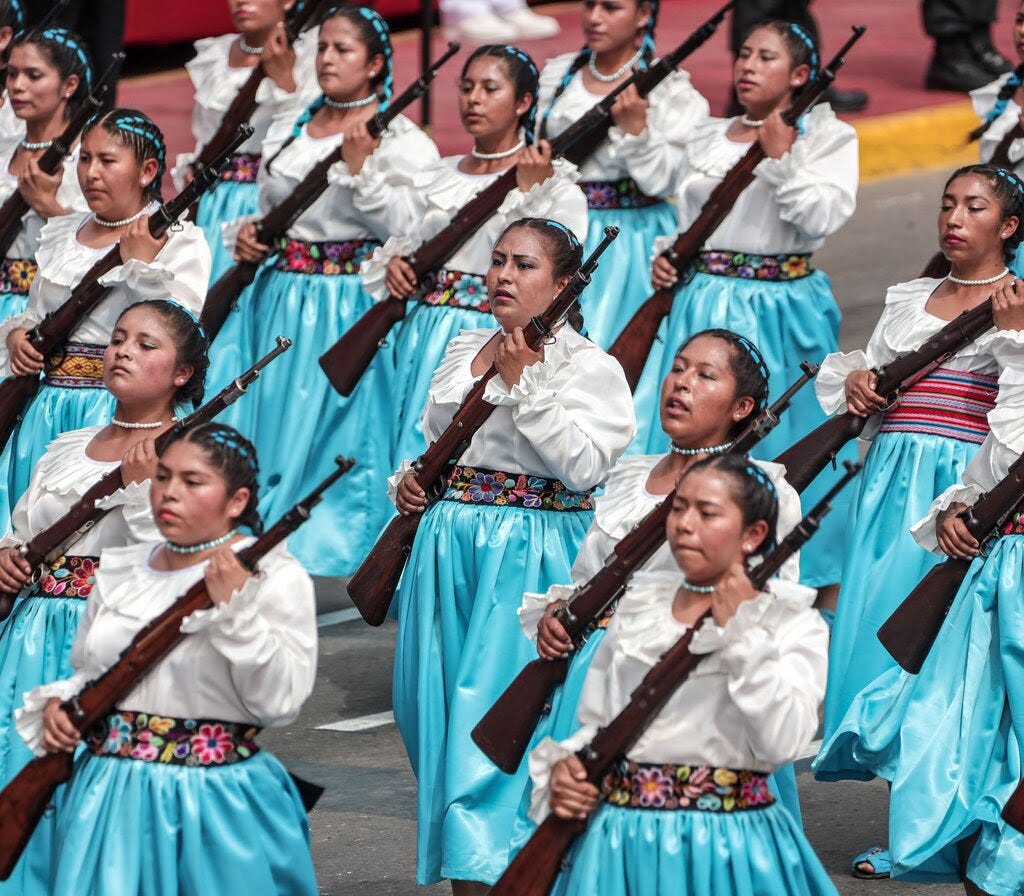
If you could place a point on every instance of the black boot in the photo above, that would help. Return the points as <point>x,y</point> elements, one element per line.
<point>845,100</point>
<point>984,52</point>
<point>954,66</point>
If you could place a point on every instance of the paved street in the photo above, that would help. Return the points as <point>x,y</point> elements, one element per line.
<point>364,830</point>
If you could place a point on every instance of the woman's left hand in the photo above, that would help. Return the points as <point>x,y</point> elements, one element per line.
<point>1008,306</point>
<point>629,111</point>
<point>357,145</point>
<point>733,590</point>
<point>775,136</point>
<point>137,242</point>
<point>514,356</point>
<point>533,166</point>
<point>39,190</point>
<point>139,462</point>
<point>225,575</point>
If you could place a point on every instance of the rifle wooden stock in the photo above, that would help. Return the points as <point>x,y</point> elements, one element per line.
<point>29,792</point>
<point>1013,811</point>
<point>375,582</point>
<point>632,346</point>
<point>221,297</point>
<point>346,361</point>
<point>534,870</point>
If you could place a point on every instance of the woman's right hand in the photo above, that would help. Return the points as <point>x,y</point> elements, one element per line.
<point>410,498</point>
<point>59,733</point>
<point>572,795</point>
<point>15,573</point>
<point>553,643</point>
<point>25,359</point>
<point>139,462</point>
<point>400,278</point>
<point>861,397</point>
<point>247,247</point>
<point>663,273</point>
<point>951,532</point>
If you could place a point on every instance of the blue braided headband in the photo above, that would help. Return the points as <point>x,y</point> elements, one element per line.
<point>63,37</point>
<point>758,473</point>
<point>144,128</point>
<point>381,27</point>
<point>575,243</point>
<point>1014,180</point>
<point>191,316</point>
<point>19,15</point>
<point>529,117</point>
<point>758,359</point>
<point>799,32</point>
<point>232,438</point>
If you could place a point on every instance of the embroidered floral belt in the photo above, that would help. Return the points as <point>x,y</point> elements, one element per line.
<point>608,194</point>
<point>457,289</point>
<point>16,276</point>
<point>68,576</point>
<point>298,257</point>
<point>747,266</point>
<point>196,742</point>
<point>78,366</point>
<point>242,168</point>
<point>474,486</point>
<point>697,787</point>
<point>949,403</point>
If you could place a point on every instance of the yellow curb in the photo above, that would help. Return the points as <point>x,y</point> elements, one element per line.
<point>925,139</point>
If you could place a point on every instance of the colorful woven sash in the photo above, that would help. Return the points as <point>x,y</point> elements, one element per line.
<point>67,576</point>
<point>608,194</point>
<point>949,403</point>
<point>332,259</point>
<point>473,486</point>
<point>78,366</point>
<point>242,168</point>
<point>195,742</point>
<point>16,276</point>
<point>698,788</point>
<point>747,266</point>
<point>457,289</point>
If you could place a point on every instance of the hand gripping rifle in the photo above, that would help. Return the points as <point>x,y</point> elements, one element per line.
<point>908,634</point>
<point>346,361</point>
<point>633,344</point>
<point>26,797</point>
<point>374,583</point>
<point>84,513</point>
<point>49,335</point>
<point>223,294</point>
<point>533,871</point>
<point>808,457</point>
<point>15,206</point>
<point>505,730</point>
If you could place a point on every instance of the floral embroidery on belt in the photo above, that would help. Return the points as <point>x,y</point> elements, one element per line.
<point>67,576</point>
<point>330,258</point>
<point>457,289</point>
<point>748,266</point>
<point>470,485</point>
<point>608,194</point>
<point>242,168</point>
<point>16,276</point>
<point>702,788</point>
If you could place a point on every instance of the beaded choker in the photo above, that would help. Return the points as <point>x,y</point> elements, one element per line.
<point>753,123</point>
<point>693,452</point>
<point>199,548</point>
<point>249,51</point>
<point>126,425</point>
<point>491,156</point>
<point>618,73</point>
<point>984,282</point>
<point>350,104</point>
<point>45,144</point>
<point>699,589</point>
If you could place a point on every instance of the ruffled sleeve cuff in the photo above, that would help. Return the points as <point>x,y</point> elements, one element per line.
<point>540,198</point>
<point>182,166</point>
<point>924,532</point>
<point>782,170</point>
<point>543,758</point>
<point>395,478</point>
<point>531,388</point>
<point>29,718</point>
<point>138,275</point>
<point>10,541</point>
<point>231,620</point>
<point>534,606</point>
<point>830,383</point>
<point>229,231</point>
<point>375,269</point>
<point>134,504</point>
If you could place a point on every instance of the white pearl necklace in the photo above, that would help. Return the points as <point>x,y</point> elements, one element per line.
<point>607,79</point>
<point>491,156</point>
<point>350,104</point>
<point>121,223</point>
<point>984,282</point>
<point>124,424</point>
<point>753,123</point>
<point>249,51</point>
<point>45,144</point>
<point>693,452</point>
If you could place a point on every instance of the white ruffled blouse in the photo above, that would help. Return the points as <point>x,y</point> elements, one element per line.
<point>624,502</point>
<point>418,203</point>
<point>675,110</point>
<point>794,202</point>
<point>569,417</point>
<point>12,128</point>
<point>217,83</point>
<point>983,99</point>
<point>251,660</point>
<point>903,327</point>
<point>752,703</point>
<point>180,271</point>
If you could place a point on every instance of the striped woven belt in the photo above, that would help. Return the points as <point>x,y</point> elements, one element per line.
<point>457,289</point>
<point>242,168</point>
<point>949,403</point>
<point>748,266</point>
<point>72,575</point>
<point>473,486</point>
<point>16,276</point>
<point>332,259</point>
<point>608,194</point>
<point>699,788</point>
<point>78,366</point>
<point>196,742</point>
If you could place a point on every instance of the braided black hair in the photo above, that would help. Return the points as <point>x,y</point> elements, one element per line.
<point>12,15</point>
<point>67,53</point>
<point>138,132</point>
<point>1008,190</point>
<point>522,72</point>
<point>1003,98</point>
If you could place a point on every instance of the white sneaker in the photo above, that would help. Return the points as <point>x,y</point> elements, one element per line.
<point>530,24</point>
<point>485,28</point>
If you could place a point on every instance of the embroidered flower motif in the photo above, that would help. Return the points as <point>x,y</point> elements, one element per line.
<point>484,488</point>
<point>147,747</point>
<point>755,791</point>
<point>717,262</point>
<point>83,577</point>
<point>211,744</point>
<point>651,787</point>
<point>601,195</point>
<point>20,276</point>
<point>795,266</point>
<point>709,802</point>
<point>745,272</point>
<point>298,256</point>
<point>159,725</point>
<point>725,777</point>
<point>119,734</point>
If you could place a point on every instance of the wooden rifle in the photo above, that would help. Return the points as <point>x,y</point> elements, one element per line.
<point>504,732</point>
<point>347,360</point>
<point>222,295</point>
<point>633,344</point>
<point>374,583</point>
<point>49,335</point>
<point>24,800</point>
<point>534,870</point>
<point>84,513</point>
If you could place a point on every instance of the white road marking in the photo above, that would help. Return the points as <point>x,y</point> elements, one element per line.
<point>362,723</point>
<point>337,617</point>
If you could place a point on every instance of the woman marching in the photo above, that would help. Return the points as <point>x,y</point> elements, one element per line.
<point>121,161</point>
<point>511,521</point>
<point>498,106</point>
<point>755,277</point>
<point>688,809</point>
<point>312,292</point>
<point>12,22</point>
<point>48,80</point>
<point>155,363</point>
<point>172,795</point>
<point>628,178</point>
<point>220,67</point>
<point>924,442</point>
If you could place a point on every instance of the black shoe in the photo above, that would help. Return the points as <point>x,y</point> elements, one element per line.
<point>990,58</point>
<point>845,100</point>
<point>955,68</point>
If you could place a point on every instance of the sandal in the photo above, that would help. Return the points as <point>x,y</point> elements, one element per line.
<point>877,858</point>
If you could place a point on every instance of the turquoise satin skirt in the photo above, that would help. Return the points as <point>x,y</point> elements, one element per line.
<point>148,829</point>
<point>228,201</point>
<point>789,321</point>
<point>637,852</point>
<point>299,423</point>
<point>903,472</point>
<point>949,739</point>
<point>459,646</point>
<point>35,649</point>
